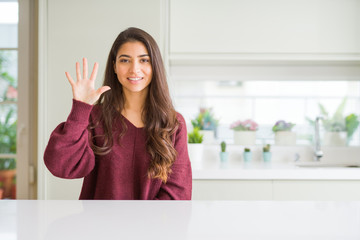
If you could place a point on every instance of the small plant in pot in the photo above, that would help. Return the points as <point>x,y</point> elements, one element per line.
<point>283,133</point>
<point>207,124</point>
<point>223,154</point>
<point>247,155</point>
<point>244,132</point>
<point>266,153</point>
<point>8,145</point>
<point>339,128</point>
<point>195,146</point>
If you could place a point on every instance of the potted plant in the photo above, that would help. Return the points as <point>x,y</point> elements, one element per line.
<point>338,129</point>
<point>223,154</point>
<point>7,145</point>
<point>247,155</point>
<point>244,132</point>
<point>283,133</point>
<point>266,153</point>
<point>207,124</point>
<point>195,146</point>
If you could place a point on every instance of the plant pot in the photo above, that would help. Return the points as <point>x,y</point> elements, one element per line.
<point>245,138</point>
<point>6,177</point>
<point>267,156</point>
<point>335,139</point>
<point>247,156</point>
<point>209,136</point>
<point>195,151</point>
<point>285,138</point>
<point>224,156</point>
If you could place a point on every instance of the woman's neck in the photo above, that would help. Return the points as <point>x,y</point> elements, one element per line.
<point>135,101</point>
<point>133,108</point>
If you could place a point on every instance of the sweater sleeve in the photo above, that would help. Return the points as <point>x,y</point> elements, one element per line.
<point>179,184</point>
<point>68,153</point>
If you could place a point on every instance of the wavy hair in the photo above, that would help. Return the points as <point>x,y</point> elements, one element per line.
<point>159,115</point>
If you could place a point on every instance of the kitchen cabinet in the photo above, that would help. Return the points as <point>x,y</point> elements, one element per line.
<point>232,190</point>
<point>232,30</point>
<point>316,190</point>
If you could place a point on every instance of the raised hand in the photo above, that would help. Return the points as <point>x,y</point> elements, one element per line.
<point>84,88</point>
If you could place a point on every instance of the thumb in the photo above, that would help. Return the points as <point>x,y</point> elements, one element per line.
<point>103,89</point>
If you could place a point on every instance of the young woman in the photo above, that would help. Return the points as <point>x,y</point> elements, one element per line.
<point>131,144</point>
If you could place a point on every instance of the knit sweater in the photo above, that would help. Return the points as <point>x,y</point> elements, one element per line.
<point>122,173</point>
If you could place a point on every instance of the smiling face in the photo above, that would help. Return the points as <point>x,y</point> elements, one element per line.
<point>133,67</point>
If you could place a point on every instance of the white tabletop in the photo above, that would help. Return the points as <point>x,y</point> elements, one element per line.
<point>26,219</point>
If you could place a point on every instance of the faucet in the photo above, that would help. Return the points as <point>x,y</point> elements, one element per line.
<point>318,152</point>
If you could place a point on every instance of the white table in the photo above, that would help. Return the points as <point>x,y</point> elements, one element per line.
<point>31,219</point>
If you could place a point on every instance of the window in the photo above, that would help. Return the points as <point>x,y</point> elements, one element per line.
<point>8,93</point>
<point>266,102</point>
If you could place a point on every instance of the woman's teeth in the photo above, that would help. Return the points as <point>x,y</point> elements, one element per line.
<point>135,79</point>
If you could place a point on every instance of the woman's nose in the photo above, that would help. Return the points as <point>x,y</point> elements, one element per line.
<point>135,67</point>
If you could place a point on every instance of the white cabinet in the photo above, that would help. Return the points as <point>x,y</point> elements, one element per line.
<point>321,190</point>
<point>288,190</point>
<point>262,29</point>
<point>232,190</point>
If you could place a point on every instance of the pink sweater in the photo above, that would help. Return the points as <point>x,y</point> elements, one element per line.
<point>121,174</point>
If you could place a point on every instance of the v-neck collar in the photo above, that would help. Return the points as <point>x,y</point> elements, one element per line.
<point>130,123</point>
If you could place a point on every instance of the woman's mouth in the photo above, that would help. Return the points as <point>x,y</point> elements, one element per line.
<point>135,79</point>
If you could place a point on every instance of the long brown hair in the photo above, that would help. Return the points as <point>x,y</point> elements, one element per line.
<point>159,115</point>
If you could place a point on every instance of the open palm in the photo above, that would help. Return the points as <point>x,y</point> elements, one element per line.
<point>84,88</point>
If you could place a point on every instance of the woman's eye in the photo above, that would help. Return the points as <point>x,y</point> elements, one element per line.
<point>144,60</point>
<point>124,60</point>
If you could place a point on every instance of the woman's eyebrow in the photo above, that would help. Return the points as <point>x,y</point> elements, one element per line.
<point>124,55</point>
<point>127,56</point>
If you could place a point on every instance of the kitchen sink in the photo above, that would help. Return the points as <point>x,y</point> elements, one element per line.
<point>327,164</point>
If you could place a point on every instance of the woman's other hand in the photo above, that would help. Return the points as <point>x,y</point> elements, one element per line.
<point>84,88</point>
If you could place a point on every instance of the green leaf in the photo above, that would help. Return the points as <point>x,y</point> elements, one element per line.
<point>195,136</point>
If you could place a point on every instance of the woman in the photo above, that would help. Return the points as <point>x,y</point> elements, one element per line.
<point>131,144</point>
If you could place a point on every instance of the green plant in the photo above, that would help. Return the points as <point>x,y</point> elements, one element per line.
<point>205,120</point>
<point>338,123</point>
<point>266,148</point>
<point>195,136</point>
<point>351,123</point>
<point>247,150</point>
<point>8,140</point>
<point>223,146</point>
<point>5,76</point>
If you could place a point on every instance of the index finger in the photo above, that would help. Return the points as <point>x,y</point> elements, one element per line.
<point>94,72</point>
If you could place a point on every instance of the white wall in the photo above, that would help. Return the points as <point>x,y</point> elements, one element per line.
<point>70,30</point>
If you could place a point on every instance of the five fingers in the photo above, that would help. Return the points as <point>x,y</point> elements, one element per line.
<point>84,76</point>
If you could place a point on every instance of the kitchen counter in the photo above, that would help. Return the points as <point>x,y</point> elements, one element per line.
<point>271,171</point>
<point>34,220</point>
<point>281,167</point>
